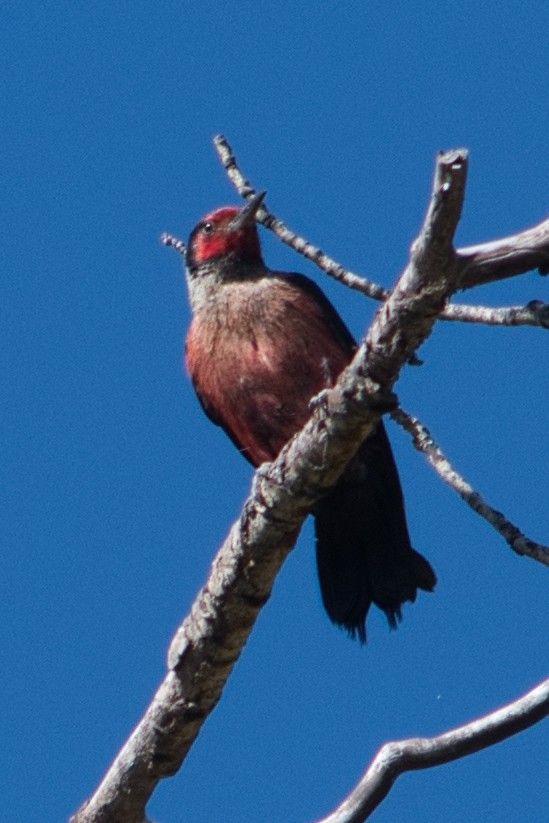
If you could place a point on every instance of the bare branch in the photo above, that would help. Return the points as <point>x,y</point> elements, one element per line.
<point>504,258</point>
<point>429,278</point>
<point>535,313</point>
<point>286,235</point>
<point>211,638</point>
<point>169,240</point>
<point>395,758</point>
<point>482,259</point>
<point>209,642</point>
<point>424,443</point>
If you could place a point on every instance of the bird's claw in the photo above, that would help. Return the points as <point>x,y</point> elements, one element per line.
<point>320,401</point>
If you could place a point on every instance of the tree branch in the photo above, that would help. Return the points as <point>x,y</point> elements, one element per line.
<point>506,257</point>
<point>395,758</point>
<point>211,638</point>
<point>289,237</point>
<point>535,313</point>
<point>424,443</point>
<point>523,251</point>
<point>208,643</point>
<point>169,240</point>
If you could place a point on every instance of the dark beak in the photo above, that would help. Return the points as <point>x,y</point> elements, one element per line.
<point>246,216</point>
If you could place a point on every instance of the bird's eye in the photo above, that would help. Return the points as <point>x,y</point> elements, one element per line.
<point>208,228</point>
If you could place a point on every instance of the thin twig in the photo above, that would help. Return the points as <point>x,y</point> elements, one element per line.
<point>424,442</point>
<point>535,313</point>
<point>401,756</point>
<point>177,244</point>
<point>286,235</point>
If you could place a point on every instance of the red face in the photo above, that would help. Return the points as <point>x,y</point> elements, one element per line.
<point>219,234</point>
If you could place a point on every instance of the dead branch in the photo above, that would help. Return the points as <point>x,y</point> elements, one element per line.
<point>169,240</point>
<point>424,442</point>
<point>480,264</point>
<point>395,758</point>
<point>289,237</point>
<point>535,313</point>
<point>210,640</point>
<point>489,262</point>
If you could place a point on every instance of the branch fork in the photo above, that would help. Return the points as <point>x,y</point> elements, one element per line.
<point>208,643</point>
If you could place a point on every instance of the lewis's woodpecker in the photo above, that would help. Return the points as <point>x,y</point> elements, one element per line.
<point>260,346</point>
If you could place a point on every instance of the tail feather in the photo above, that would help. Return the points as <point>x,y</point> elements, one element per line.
<point>363,548</point>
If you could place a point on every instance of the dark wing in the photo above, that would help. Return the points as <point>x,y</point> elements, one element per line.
<point>341,334</point>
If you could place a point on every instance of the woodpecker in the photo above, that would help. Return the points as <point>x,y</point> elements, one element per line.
<point>261,344</point>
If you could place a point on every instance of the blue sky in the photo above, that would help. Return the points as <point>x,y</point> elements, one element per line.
<point>116,490</point>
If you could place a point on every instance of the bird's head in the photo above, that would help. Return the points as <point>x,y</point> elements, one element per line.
<point>227,233</point>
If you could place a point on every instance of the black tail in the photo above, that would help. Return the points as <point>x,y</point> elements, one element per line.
<point>363,547</point>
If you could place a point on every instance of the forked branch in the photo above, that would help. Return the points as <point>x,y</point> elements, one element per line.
<point>479,264</point>
<point>211,638</point>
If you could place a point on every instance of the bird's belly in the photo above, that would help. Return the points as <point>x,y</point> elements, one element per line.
<point>256,372</point>
<point>268,406</point>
